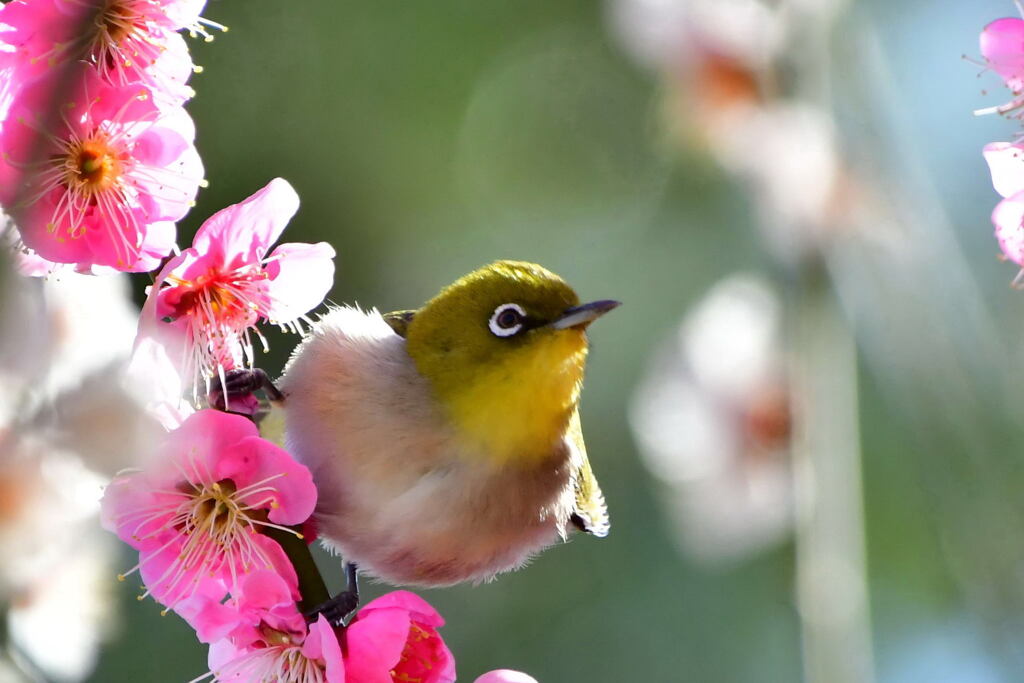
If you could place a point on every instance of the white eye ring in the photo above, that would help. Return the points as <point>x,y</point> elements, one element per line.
<point>497,329</point>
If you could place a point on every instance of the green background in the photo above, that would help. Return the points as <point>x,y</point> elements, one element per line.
<point>428,138</point>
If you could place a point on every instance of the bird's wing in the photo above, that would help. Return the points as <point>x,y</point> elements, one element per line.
<point>590,514</point>
<point>399,321</point>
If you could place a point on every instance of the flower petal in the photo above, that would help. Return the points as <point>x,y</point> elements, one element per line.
<point>222,653</point>
<point>1006,163</point>
<point>505,676</point>
<point>211,619</point>
<point>410,602</point>
<point>247,230</point>
<point>159,362</point>
<point>266,590</point>
<point>1002,45</point>
<point>204,437</point>
<point>122,499</point>
<point>322,644</point>
<point>281,566</point>
<point>1008,217</point>
<point>300,277</point>
<point>282,485</point>
<point>375,641</point>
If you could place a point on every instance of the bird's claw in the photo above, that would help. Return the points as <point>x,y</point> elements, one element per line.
<point>239,384</point>
<point>336,609</point>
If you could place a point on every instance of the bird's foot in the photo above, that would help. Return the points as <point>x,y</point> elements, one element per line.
<point>235,393</point>
<point>336,609</point>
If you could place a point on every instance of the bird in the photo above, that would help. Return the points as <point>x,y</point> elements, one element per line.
<point>445,442</point>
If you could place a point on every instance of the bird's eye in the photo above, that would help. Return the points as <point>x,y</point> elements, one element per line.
<point>507,319</point>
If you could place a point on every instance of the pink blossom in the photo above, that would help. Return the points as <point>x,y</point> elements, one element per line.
<point>24,28</point>
<point>1002,46</point>
<point>313,656</point>
<point>505,676</point>
<point>129,42</point>
<point>259,635</point>
<point>196,515</point>
<point>103,180</point>
<point>1008,217</point>
<point>394,638</point>
<point>262,599</point>
<point>1006,163</point>
<point>209,298</point>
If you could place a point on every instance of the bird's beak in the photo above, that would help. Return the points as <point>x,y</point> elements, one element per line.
<point>581,316</point>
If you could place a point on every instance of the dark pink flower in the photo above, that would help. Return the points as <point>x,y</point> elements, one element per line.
<point>101,178</point>
<point>196,513</point>
<point>208,299</point>
<point>394,638</point>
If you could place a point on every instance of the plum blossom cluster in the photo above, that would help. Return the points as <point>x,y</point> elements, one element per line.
<point>97,159</point>
<point>729,88</point>
<point>197,517</point>
<point>65,426</point>
<point>1002,47</point>
<point>97,163</point>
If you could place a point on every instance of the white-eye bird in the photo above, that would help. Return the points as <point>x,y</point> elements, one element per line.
<point>445,442</point>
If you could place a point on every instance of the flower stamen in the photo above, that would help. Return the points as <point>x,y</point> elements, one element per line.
<point>216,528</point>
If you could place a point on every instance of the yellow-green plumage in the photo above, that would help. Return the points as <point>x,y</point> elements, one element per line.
<point>446,441</point>
<point>513,396</point>
<point>590,513</point>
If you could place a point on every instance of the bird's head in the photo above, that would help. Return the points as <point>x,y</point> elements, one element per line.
<point>504,349</point>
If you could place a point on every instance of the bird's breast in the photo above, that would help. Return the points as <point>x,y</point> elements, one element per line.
<point>518,408</point>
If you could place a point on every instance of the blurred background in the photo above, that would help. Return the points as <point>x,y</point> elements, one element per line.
<point>806,416</point>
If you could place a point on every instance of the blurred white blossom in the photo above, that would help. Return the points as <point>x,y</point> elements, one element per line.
<point>712,421</point>
<point>730,90</point>
<point>57,563</point>
<point>65,418</point>
<point>786,151</point>
<point>665,34</point>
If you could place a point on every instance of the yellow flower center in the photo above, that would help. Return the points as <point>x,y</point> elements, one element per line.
<point>92,166</point>
<point>216,510</point>
<point>118,20</point>
<point>275,638</point>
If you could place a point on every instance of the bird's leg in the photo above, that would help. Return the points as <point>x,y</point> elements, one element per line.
<point>239,384</point>
<point>341,605</point>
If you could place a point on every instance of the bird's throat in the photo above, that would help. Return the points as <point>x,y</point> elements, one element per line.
<point>518,411</point>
